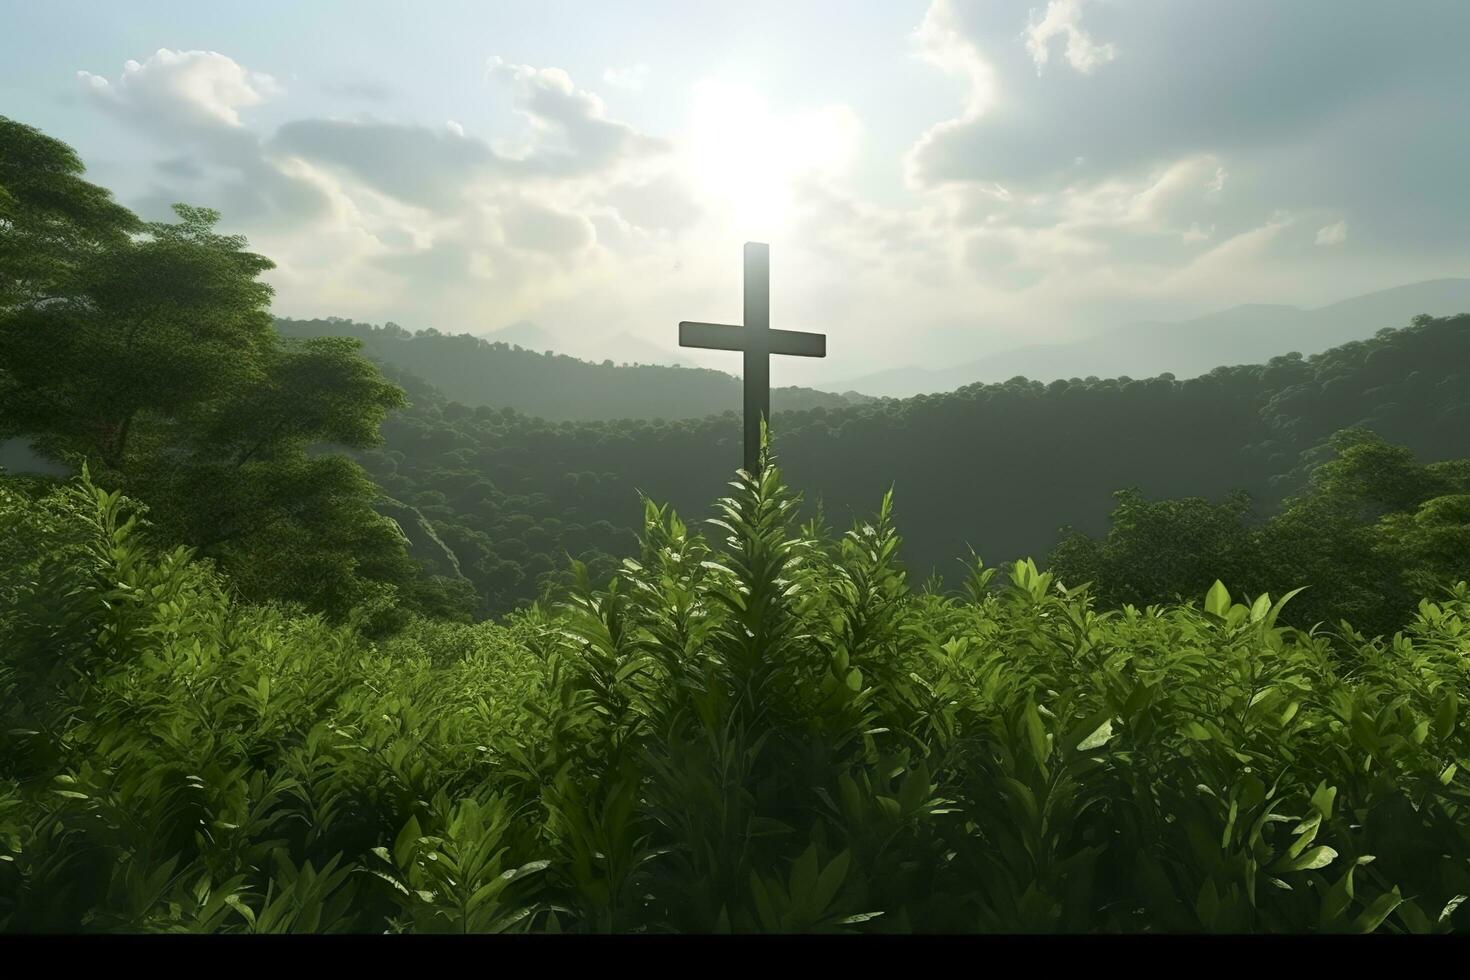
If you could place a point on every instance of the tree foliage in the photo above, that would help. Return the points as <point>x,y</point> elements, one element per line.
<point>1371,532</point>
<point>146,350</point>
<point>994,467</point>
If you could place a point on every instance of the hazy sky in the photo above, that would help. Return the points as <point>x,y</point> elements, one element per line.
<point>936,179</point>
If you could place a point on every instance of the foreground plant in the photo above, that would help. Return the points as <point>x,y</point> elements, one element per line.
<point>764,729</point>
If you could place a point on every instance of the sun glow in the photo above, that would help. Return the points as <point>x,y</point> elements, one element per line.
<point>746,159</point>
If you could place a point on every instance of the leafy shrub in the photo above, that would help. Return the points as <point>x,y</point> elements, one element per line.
<point>762,730</point>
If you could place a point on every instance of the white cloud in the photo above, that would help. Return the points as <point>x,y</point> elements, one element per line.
<point>427,224</point>
<point>1166,167</point>
<point>1333,234</point>
<point>194,88</point>
<point>1063,19</point>
<point>570,132</point>
<point>941,41</point>
<point>1183,188</point>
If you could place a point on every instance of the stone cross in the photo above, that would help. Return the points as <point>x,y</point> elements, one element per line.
<point>758,342</point>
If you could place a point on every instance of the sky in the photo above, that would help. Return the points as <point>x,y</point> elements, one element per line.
<point>937,179</point>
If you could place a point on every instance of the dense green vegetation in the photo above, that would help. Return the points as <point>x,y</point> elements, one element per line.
<point>236,697</point>
<point>1376,529</point>
<point>148,352</point>
<point>477,372</point>
<point>513,494</point>
<point>764,731</point>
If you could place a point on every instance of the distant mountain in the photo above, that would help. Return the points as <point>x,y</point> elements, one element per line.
<point>526,334</point>
<point>625,348</point>
<point>1248,334</point>
<point>498,372</point>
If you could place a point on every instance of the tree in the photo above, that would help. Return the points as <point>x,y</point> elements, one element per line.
<point>148,351</point>
<point>1384,529</point>
<point>52,222</point>
<point>1372,533</point>
<point>152,330</point>
<point>1160,550</point>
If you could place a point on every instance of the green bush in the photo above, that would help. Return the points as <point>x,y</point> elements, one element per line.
<point>765,729</point>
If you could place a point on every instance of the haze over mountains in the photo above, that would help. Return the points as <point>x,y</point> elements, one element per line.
<point>1247,334</point>
<point>524,367</point>
<point>622,348</point>
<point>496,371</point>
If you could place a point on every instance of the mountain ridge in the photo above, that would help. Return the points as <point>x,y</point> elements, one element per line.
<point>1185,348</point>
<point>493,373</point>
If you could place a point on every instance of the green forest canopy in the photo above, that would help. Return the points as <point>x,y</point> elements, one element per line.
<point>511,494</point>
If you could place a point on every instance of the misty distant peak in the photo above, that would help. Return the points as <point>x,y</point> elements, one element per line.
<point>1250,333</point>
<point>524,333</point>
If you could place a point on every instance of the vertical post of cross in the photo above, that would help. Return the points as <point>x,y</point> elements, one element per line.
<point>757,372</point>
<point>758,342</point>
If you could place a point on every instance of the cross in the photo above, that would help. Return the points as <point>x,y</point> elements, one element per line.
<point>758,341</point>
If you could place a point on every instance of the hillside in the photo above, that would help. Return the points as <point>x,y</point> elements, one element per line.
<point>1244,334</point>
<point>483,372</point>
<point>512,493</point>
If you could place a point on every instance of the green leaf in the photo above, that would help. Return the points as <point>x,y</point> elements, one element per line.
<point>1035,733</point>
<point>529,868</point>
<point>1444,715</point>
<point>1323,798</point>
<point>1217,600</point>
<point>1318,857</point>
<point>1338,898</point>
<point>804,874</point>
<point>1414,919</point>
<point>403,846</point>
<point>830,880</point>
<point>1381,908</point>
<point>1098,738</point>
<point>234,902</point>
<point>914,789</point>
<point>1198,732</point>
<point>1260,607</point>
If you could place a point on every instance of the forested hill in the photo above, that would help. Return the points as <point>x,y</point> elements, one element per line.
<point>1000,467</point>
<point>477,372</point>
<point>1240,335</point>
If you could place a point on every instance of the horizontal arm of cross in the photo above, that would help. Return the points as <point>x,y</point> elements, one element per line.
<point>723,336</point>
